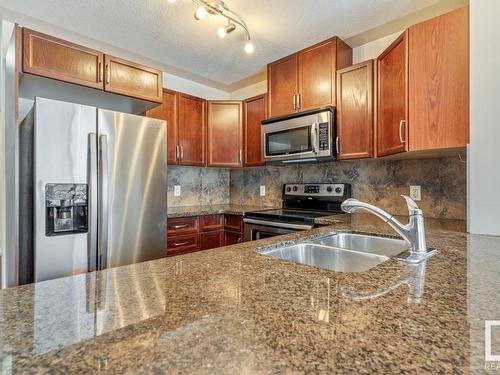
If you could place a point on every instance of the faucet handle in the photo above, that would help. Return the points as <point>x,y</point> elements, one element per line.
<point>411,204</point>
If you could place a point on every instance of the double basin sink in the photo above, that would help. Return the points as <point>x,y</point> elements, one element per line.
<point>341,252</point>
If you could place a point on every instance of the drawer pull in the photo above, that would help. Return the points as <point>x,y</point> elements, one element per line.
<point>177,244</point>
<point>179,226</point>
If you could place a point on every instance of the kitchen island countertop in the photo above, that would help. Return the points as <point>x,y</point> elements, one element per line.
<point>231,310</point>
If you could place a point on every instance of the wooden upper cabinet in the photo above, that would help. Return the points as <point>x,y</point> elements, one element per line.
<point>439,81</point>
<point>282,84</point>
<point>306,80</point>
<point>392,98</point>
<point>168,111</point>
<point>224,135</point>
<point>127,78</point>
<point>355,122</point>
<point>254,111</point>
<point>317,66</point>
<point>191,130</point>
<point>55,58</point>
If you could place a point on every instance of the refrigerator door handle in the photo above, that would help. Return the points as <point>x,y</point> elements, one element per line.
<point>104,201</point>
<point>92,192</point>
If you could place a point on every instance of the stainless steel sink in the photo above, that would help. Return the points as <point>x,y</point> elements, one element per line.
<point>328,257</point>
<point>365,243</point>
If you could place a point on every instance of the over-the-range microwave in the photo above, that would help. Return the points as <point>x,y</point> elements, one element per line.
<point>301,137</point>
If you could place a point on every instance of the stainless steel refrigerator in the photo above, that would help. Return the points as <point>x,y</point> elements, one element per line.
<point>99,189</point>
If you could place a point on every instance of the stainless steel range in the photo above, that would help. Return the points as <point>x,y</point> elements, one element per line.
<point>302,205</point>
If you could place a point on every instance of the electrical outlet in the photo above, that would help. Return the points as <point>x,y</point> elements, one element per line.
<point>262,190</point>
<point>415,192</point>
<point>177,190</point>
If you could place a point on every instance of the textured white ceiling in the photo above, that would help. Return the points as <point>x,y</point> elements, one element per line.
<point>168,33</point>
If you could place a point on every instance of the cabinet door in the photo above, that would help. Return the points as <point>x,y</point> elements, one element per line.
<point>254,111</point>
<point>355,111</point>
<point>127,78</point>
<point>231,238</point>
<point>282,85</point>
<point>211,223</point>
<point>438,53</point>
<point>167,111</point>
<point>224,135</point>
<point>211,240</point>
<point>182,225</point>
<point>192,130</point>
<point>55,58</point>
<point>233,223</point>
<point>317,76</point>
<point>392,98</point>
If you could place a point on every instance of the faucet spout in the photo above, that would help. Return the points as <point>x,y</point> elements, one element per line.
<point>413,232</point>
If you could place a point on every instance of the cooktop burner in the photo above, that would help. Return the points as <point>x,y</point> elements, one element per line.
<point>302,203</point>
<point>296,214</point>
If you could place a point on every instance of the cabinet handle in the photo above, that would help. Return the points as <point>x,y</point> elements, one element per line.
<point>108,74</point>
<point>298,101</point>
<point>337,145</point>
<point>182,152</point>
<point>401,123</point>
<point>181,243</point>
<point>294,101</point>
<point>241,156</point>
<point>179,226</point>
<point>239,240</point>
<point>101,72</point>
<point>176,152</point>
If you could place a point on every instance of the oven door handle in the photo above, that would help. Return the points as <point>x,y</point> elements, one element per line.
<point>314,138</point>
<point>278,225</point>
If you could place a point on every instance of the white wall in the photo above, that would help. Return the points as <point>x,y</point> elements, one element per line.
<point>249,91</point>
<point>483,157</point>
<point>372,49</point>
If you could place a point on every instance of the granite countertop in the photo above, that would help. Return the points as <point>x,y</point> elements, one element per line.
<point>231,310</point>
<point>234,209</point>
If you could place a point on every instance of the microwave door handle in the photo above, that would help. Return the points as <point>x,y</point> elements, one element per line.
<point>314,137</point>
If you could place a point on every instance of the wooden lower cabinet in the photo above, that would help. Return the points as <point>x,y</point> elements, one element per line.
<point>189,234</point>
<point>232,238</point>
<point>183,244</point>
<point>211,240</point>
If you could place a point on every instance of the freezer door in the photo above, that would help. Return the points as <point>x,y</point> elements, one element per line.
<point>132,189</point>
<point>64,188</point>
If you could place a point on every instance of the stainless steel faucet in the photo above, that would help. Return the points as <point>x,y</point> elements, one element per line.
<point>413,232</point>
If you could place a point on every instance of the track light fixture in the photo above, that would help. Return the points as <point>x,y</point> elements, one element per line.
<point>218,7</point>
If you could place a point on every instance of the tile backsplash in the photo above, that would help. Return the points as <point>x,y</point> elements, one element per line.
<point>380,182</point>
<point>199,186</point>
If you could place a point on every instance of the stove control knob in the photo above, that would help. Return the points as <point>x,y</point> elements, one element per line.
<point>288,189</point>
<point>338,190</point>
<point>295,188</point>
<point>329,189</point>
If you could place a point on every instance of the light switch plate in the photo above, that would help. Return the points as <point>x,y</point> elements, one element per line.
<point>415,193</point>
<point>177,190</point>
<point>262,190</point>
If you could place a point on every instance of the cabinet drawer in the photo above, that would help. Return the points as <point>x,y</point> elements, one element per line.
<point>182,225</point>
<point>211,223</point>
<point>233,222</point>
<point>182,244</point>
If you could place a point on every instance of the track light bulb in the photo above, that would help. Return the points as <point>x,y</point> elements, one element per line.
<point>249,47</point>
<point>221,32</point>
<point>200,13</point>
<point>171,1</point>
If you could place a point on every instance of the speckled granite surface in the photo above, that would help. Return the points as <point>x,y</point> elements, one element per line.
<point>234,209</point>
<point>233,311</point>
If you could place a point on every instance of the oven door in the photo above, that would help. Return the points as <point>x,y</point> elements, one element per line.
<point>258,229</point>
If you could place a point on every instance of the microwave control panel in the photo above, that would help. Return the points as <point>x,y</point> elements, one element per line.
<point>323,136</point>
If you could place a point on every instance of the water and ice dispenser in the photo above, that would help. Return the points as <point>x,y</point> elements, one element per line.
<point>66,207</point>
